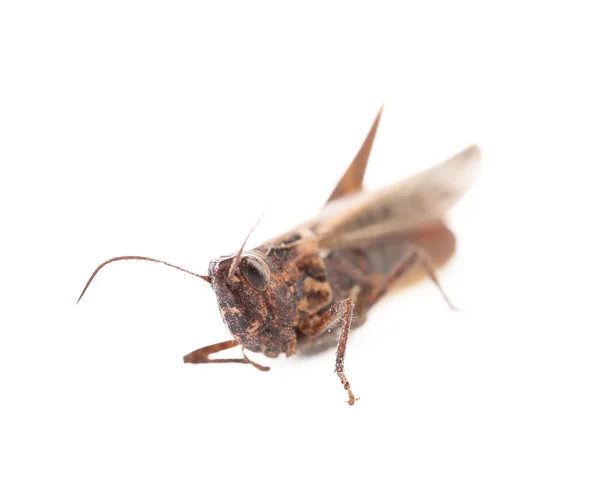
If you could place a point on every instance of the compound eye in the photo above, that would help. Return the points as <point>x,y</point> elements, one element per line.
<point>256,272</point>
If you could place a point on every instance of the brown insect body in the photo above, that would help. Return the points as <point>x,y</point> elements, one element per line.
<point>305,282</point>
<point>291,292</point>
<point>261,321</point>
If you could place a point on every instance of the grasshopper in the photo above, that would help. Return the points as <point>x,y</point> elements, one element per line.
<point>300,290</point>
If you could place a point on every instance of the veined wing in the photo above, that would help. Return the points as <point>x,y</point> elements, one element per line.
<point>406,206</point>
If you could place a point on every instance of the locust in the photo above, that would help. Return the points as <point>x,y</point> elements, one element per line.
<point>305,289</point>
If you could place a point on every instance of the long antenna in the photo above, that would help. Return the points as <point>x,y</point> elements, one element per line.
<point>236,260</point>
<point>206,278</point>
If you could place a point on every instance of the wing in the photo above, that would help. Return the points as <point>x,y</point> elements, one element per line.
<point>404,207</point>
<point>351,182</point>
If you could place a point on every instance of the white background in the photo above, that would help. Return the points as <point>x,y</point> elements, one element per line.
<point>166,129</point>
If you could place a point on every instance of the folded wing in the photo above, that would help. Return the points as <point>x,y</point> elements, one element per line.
<point>406,206</point>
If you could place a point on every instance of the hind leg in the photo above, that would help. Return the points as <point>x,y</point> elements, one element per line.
<point>413,256</point>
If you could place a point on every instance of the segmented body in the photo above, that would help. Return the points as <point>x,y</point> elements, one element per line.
<point>304,288</point>
<point>318,277</point>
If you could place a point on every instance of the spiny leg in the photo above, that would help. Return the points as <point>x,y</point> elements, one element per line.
<point>339,313</point>
<point>429,267</point>
<point>200,356</point>
<point>413,256</point>
<point>346,317</point>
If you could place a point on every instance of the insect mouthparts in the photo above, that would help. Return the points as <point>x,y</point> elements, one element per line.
<point>297,291</point>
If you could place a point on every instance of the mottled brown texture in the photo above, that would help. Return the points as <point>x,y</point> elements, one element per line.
<point>300,289</point>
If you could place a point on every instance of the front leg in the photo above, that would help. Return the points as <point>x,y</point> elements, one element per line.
<point>340,313</point>
<point>200,356</point>
<point>347,310</point>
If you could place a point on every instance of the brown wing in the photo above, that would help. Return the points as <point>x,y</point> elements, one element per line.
<point>406,206</point>
<point>352,180</point>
